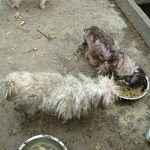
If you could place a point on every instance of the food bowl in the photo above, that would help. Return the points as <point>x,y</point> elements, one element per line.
<point>142,94</point>
<point>148,135</point>
<point>43,142</point>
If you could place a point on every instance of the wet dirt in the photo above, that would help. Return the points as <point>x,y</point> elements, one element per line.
<point>23,48</point>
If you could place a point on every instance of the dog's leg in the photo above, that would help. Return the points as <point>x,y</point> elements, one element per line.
<point>90,52</point>
<point>92,61</point>
<point>42,4</point>
<point>25,119</point>
<point>16,3</point>
<point>82,48</point>
<point>10,3</point>
<point>104,69</point>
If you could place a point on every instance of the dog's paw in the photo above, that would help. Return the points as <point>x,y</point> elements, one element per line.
<point>11,5</point>
<point>42,6</point>
<point>102,70</point>
<point>94,62</point>
<point>80,50</point>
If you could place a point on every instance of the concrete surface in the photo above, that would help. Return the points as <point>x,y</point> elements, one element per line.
<point>137,17</point>
<point>142,1</point>
<point>122,127</point>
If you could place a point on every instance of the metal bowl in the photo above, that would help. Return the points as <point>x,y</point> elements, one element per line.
<point>142,95</point>
<point>51,142</point>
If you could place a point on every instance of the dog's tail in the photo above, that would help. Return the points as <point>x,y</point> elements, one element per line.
<point>14,83</point>
<point>10,86</point>
<point>8,89</point>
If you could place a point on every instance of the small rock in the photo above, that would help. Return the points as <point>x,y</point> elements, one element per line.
<point>35,49</point>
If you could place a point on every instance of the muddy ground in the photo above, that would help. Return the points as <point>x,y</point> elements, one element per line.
<point>23,48</point>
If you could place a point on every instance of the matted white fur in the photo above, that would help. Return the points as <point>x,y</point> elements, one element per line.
<point>128,67</point>
<point>65,96</point>
<point>15,3</point>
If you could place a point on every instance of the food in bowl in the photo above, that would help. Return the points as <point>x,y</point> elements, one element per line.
<point>129,92</point>
<point>42,147</point>
<point>135,93</point>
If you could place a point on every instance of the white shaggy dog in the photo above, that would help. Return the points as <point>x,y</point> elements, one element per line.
<point>65,96</point>
<point>15,3</point>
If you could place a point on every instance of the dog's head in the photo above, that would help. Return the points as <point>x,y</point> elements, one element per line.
<point>28,103</point>
<point>138,78</point>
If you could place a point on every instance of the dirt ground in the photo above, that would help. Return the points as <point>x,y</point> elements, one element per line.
<point>23,48</point>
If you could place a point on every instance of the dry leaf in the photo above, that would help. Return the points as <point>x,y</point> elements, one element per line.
<point>17,16</point>
<point>97,147</point>
<point>22,23</point>
<point>9,33</point>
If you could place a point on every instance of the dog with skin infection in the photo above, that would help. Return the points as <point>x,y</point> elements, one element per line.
<point>66,96</point>
<point>15,3</point>
<point>99,46</point>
